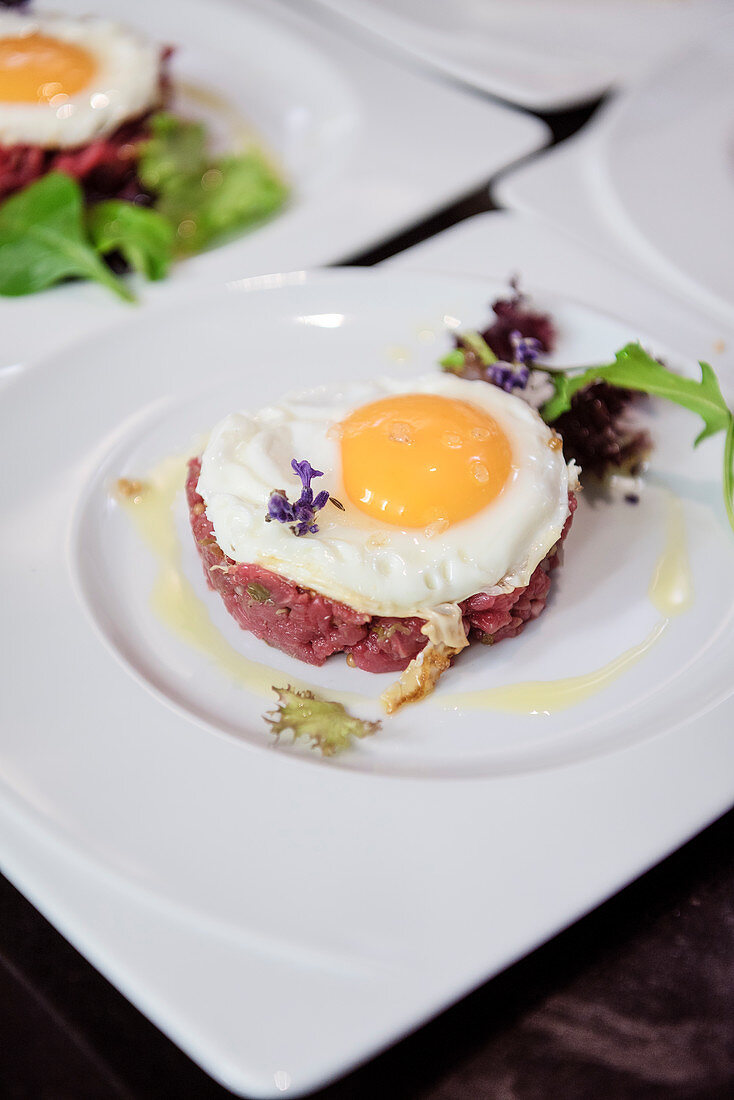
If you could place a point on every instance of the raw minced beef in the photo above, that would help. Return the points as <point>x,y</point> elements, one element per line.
<point>312,627</point>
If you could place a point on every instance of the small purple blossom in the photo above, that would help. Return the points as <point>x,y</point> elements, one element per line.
<point>525,349</point>
<point>300,514</point>
<point>508,376</point>
<point>280,508</point>
<point>515,375</point>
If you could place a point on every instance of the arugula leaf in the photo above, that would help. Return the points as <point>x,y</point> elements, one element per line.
<point>634,369</point>
<point>43,239</point>
<point>323,724</point>
<point>143,236</point>
<point>729,472</point>
<point>205,198</point>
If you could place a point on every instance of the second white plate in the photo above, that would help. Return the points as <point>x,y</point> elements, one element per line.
<point>368,146</point>
<point>651,182</point>
<point>545,55</point>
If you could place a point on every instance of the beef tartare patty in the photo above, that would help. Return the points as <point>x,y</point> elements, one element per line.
<point>312,627</point>
<point>76,96</point>
<point>106,168</point>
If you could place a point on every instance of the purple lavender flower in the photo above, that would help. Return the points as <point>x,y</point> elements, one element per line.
<point>525,349</point>
<point>280,508</point>
<point>302,512</point>
<point>508,376</point>
<point>515,375</point>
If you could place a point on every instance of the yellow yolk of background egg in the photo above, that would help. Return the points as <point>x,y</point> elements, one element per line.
<point>423,460</point>
<point>35,68</point>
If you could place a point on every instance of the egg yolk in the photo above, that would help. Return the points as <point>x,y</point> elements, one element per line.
<point>423,460</point>
<point>35,68</point>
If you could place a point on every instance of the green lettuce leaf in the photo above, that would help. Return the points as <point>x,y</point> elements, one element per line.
<point>43,239</point>
<point>322,724</point>
<point>142,236</point>
<point>205,198</point>
<point>175,148</point>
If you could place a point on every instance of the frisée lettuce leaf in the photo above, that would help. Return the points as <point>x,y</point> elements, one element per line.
<point>320,723</point>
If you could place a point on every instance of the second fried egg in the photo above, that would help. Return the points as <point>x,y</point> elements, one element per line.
<point>65,81</point>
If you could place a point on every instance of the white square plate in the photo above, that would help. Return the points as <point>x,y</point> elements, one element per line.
<point>370,147</point>
<point>280,916</point>
<point>651,181</point>
<point>545,54</point>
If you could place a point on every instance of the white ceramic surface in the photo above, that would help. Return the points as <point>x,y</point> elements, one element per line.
<point>544,54</point>
<point>370,148</point>
<point>651,181</point>
<point>283,917</point>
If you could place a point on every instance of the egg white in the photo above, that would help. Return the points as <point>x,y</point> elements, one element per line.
<point>125,85</point>
<point>370,565</point>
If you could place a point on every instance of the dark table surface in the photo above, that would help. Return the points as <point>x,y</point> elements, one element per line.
<point>634,1001</point>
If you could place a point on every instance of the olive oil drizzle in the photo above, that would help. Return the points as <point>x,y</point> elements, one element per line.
<point>174,599</point>
<point>670,592</point>
<point>176,603</point>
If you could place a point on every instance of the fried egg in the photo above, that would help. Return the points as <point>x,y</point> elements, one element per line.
<point>449,488</point>
<point>65,81</point>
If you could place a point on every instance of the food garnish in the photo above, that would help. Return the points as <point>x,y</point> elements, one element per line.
<point>604,431</point>
<point>512,316</point>
<point>301,514</point>
<point>142,236</point>
<point>46,235</point>
<point>320,723</point>
<point>43,239</point>
<point>507,375</point>
<point>470,344</point>
<point>589,405</point>
<point>634,369</point>
<point>202,197</point>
